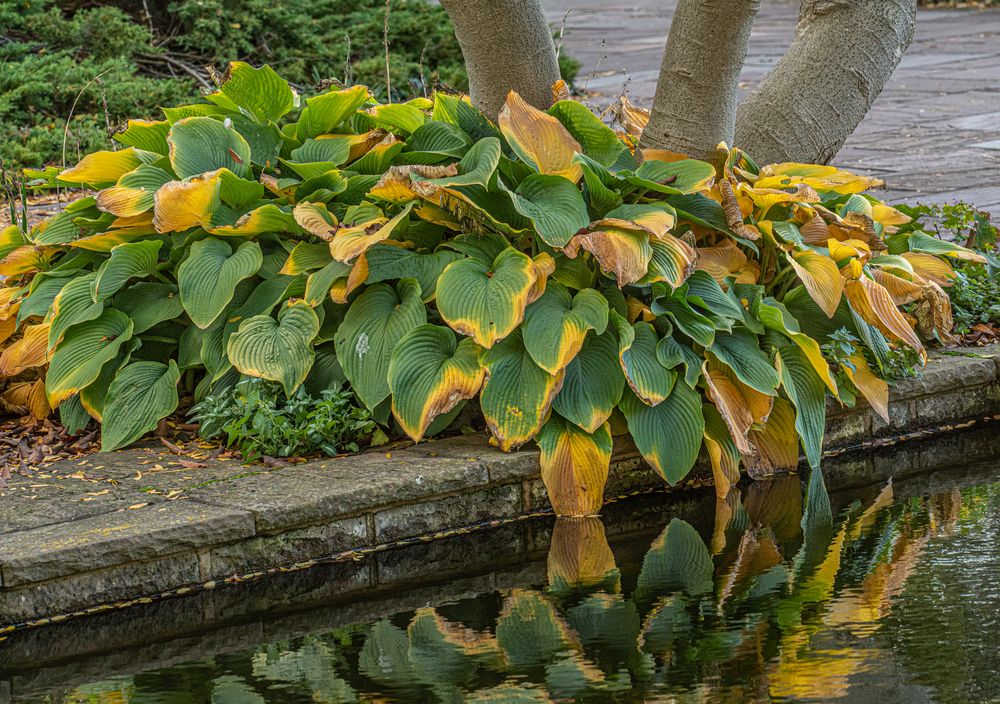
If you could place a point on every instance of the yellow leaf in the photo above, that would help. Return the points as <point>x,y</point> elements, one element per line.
<point>25,260</point>
<point>349,242</point>
<point>821,278</point>
<point>539,139</point>
<point>873,303</point>
<point>840,250</point>
<point>875,390</point>
<point>931,268</point>
<point>315,219</point>
<point>777,443</point>
<point>181,205</point>
<point>343,287</point>
<point>901,290</point>
<point>740,406</point>
<point>28,352</point>
<point>574,466</point>
<point>102,168</point>
<point>621,252</point>
<point>544,265</point>
<point>727,260</point>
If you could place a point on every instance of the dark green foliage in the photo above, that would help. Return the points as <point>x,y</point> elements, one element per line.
<point>116,62</point>
<point>975,298</point>
<point>257,418</point>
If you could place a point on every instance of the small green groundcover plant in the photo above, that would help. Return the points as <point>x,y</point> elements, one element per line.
<point>573,286</point>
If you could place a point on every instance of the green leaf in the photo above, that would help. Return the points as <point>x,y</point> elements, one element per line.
<point>486,301</point>
<point>148,304</point>
<point>593,383</point>
<point>128,261</point>
<point>807,393</point>
<point>386,262</point>
<point>517,393</point>
<point>332,151</point>
<point>140,395</point>
<point>677,560</point>
<point>202,144</point>
<point>668,434</point>
<point>740,351</point>
<point>148,135</point>
<point>673,177</point>
<point>279,350</point>
<point>73,304</point>
<point>260,93</point>
<point>476,168</point>
<point>323,113</point>
<point>375,323</point>
<point>399,117</point>
<point>554,205</point>
<point>556,325</point>
<point>637,344</point>
<point>209,275</point>
<point>599,141</point>
<point>430,373</point>
<point>672,353</point>
<point>85,349</point>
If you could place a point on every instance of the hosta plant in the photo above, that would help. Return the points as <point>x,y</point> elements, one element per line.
<point>577,288</point>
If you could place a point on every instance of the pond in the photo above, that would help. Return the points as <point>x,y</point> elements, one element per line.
<point>785,592</point>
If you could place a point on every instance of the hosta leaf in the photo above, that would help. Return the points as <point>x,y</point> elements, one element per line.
<point>920,241</point>
<point>598,141</point>
<point>266,218</point>
<point>141,394</point>
<point>655,218</point>
<point>399,116</point>
<point>73,304</point>
<point>875,305</point>
<point>672,353</point>
<point>430,373</point>
<point>821,277</point>
<point>677,560</point>
<point>539,139</point>
<point>438,138</point>
<point>375,323</point>
<point>808,394</point>
<point>134,192</point>
<point>741,352</point>
<point>128,261</point>
<point>517,393</point>
<point>320,282</point>
<point>350,242</point>
<point>673,177</point>
<point>575,466</point>
<point>306,256</point>
<point>332,152</point>
<point>637,344</point>
<point>776,444</point>
<point>280,350</point>
<point>209,275</point>
<point>698,327</point>
<point>556,325</point>
<point>26,353</point>
<point>776,317</point>
<point>323,113</point>
<point>486,301</point>
<point>592,384</point>
<point>78,359</point>
<point>722,451</point>
<point>260,93</point>
<point>386,262</point>
<point>315,219</point>
<point>622,253</point>
<point>927,265</point>
<point>476,168</point>
<point>668,434</point>
<point>149,303</point>
<point>147,135</point>
<point>554,205</point>
<point>202,144</point>
<point>875,390</point>
<point>102,169</point>
<point>181,205</point>
<point>598,186</point>
<point>672,261</point>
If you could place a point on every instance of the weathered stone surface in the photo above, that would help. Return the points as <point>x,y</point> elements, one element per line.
<point>503,467</point>
<point>452,511</point>
<point>116,538</point>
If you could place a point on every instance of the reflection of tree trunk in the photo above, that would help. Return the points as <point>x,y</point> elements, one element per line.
<point>695,104</point>
<point>843,53</point>
<point>507,46</point>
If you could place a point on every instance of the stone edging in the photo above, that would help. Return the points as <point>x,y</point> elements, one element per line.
<point>121,537</point>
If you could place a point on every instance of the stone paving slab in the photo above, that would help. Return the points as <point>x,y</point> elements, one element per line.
<point>942,104</point>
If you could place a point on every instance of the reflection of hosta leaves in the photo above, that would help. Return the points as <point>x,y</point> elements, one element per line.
<point>384,657</point>
<point>259,92</point>
<point>678,560</point>
<point>608,627</point>
<point>637,344</point>
<point>277,350</point>
<point>149,303</point>
<point>509,693</point>
<point>444,652</point>
<point>554,205</point>
<point>530,632</point>
<point>667,621</point>
<point>574,466</point>
<point>668,434</point>
<point>231,689</point>
<point>539,139</point>
<point>580,557</point>
<point>808,394</point>
<point>202,144</point>
<point>386,262</point>
<point>556,325</point>
<point>740,351</point>
<point>376,321</point>
<point>140,395</point>
<point>430,372</point>
<point>136,259</point>
<point>486,301</point>
<point>517,393</point>
<point>73,304</point>
<point>593,383</point>
<point>209,275</point>
<point>78,359</point>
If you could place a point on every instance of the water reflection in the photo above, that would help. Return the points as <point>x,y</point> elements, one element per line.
<point>785,600</point>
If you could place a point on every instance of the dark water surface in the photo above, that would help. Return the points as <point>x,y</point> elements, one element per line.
<point>782,593</point>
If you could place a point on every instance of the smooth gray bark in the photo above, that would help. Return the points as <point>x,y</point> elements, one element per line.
<point>695,104</point>
<point>507,46</point>
<point>843,53</point>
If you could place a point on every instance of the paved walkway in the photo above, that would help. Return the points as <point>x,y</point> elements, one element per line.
<point>933,134</point>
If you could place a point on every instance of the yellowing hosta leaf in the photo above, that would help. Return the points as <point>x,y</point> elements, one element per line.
<point>556,324</point>
<point>875,390</point>
<point>622,253</point>
<point>539,139</point>
<point>134,192</point>
<point>100,169</point>
<point>430,373</point>
<point>931,268</point>
<point>722,451</point>
<point>84,350</point>
<point>821,277</point>
<point>345,286</point>
<point>517,393</point>
<point>726,260</point>
<point>484,301</point>
<point>349,242</point>
<point>209,275</point>
<point>922,242</point>
<point>375,323</point>
<point>266,218</point>
<point>8,326</point>
<point>181,205</point>
<point>315,219</point>
<point>874,304</point>
<point>544,265</point>
<point>668,434</point>
<point>655,218</point>
<point>847,249</point>
<point>673,261</point>
<point>280,350</point>
<point>807,393</point>
<point>28,352</point>
<point>140,395</point>
<point>73,304</point>
<point>775,317</point>
<point>933,314</point>
<point>777,443</point>
<point>25,260</point>
<point>738,404</point>
<point>902,290</point>
<point>396,184</point>
<point>574,466</point>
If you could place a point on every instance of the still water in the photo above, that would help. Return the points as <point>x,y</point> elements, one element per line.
<point>888,594</point>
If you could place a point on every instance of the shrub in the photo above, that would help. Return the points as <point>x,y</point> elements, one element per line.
<point>429,257</point>
<point>113,62</point>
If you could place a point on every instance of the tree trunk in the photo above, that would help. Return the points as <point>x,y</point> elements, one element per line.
<point>507,46</point>
<point>843,53</point>
<point>695,104</point>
